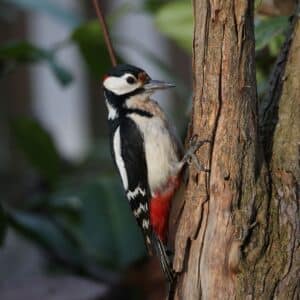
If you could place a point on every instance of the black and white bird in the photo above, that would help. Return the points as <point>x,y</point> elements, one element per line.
<point>146,152</point>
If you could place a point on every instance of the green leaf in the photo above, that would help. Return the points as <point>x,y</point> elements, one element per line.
<point>61,74</point>
<point>42,231</point>
<point>123,224</point>
<point>108,225</point>
<point>2,224</point>
<point>104,232</point>
<point>175,20</point>
<point>276,44</point>
<point>17,52</point>
<point>153,5</point>
<point>267,29</point>
<point>107,232</point>
<point>21,52</point>
<point>38,147</point>
<point>91,44</point>
<point>71,205</point>
<point>48,7</point>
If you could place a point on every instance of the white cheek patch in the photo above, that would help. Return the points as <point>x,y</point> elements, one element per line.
<point>119,85</point>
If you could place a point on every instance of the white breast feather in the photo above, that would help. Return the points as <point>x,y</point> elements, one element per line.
<point>161,156</point>
<point>119,159</point>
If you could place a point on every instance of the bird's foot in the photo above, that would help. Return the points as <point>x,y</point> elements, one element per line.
<point>190,155</point>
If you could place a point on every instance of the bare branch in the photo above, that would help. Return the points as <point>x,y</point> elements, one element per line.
<point>107,38</point>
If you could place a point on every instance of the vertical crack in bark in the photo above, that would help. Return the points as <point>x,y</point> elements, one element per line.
<point>206,30</point>
<point>234,18</point>
<point>202,239</point>
<point>219,108</point>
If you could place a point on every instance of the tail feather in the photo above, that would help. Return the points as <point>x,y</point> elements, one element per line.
<point>164,258</point>
<point>149,243</point>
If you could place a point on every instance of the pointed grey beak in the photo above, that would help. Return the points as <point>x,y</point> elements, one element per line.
<point>154,85</point>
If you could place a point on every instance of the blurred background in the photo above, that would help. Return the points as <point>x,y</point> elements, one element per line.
<point>66,231</point>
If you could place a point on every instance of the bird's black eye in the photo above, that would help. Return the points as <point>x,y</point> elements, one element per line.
<point>130,80</point>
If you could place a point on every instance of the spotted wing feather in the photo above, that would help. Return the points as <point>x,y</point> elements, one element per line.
<point>133,171</point>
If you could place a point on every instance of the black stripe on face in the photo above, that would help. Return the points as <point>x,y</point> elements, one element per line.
<point>139,112</point>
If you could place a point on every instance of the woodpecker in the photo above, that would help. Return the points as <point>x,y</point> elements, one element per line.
<point>146,152</point>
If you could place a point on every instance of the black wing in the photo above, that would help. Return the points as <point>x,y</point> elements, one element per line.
<point>135,170</point>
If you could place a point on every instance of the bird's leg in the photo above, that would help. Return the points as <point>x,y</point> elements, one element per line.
<point>190,155</point>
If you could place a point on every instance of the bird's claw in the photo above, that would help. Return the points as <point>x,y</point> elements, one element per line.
<point>190,156</point>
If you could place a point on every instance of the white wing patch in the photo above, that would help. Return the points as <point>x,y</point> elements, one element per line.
<point>112,112</point>
<point>132,194</point>
<point>141,208</point>
<point>118,157</point>
<point>145,224</point>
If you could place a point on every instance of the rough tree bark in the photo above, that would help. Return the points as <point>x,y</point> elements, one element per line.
<point>237,230</point>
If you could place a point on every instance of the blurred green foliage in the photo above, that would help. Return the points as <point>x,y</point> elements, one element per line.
<point>175,20</point>
<point>90,223</point>
<point>38,147</point>
<point>89,39</point>
<point>80,223</point>
<point>153,5</point>
<point>266,31</point>
<point>82,216</point>
<point>15,53</point>
<point>21,52</point>
<point>54,10</point>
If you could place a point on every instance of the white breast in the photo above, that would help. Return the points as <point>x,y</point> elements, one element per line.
<point>161,156</point>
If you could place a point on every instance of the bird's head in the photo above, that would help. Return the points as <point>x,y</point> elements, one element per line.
<point>129,80</point>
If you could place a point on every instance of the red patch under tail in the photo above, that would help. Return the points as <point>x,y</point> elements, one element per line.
<point>160,208</point>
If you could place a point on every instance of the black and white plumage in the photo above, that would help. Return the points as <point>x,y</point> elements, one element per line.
<point>129,155</point>
<point>145,150</point>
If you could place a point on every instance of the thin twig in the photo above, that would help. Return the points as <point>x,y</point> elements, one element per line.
<point>105,33</point>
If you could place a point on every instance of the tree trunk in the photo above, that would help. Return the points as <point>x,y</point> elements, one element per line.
<point>238,230</point>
